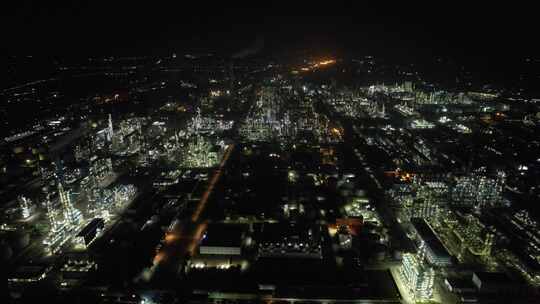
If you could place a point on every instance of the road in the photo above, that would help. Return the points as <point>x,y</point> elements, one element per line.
<point>182,239</point>
<point>217,175</point>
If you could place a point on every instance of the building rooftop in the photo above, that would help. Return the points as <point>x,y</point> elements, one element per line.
<point>223,235</point>
<point>494,277</point>
<point>280,232</point>
<point>460,283</point>
<point>428,235</point>
<point>92,226</point>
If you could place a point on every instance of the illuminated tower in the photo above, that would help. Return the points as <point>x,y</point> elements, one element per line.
<point>488,244</point>
<point>197,121</point>
<point>51,215</point>
<point>408,86</point>
<point>71,215</point>
<point>58,234</point>
<point>110,132</point>
<point>24,204</point>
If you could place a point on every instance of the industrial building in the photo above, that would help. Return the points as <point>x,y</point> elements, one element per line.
<point>220,247</point>
<point>90,231</point>
<point>418,276</point>
<point>289,240</point>
<point>222,239</point>
<point>435,252</point>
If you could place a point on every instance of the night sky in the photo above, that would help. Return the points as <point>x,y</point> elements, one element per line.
<point>496,31</point>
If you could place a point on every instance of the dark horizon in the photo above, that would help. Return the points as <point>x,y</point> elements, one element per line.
<point>496,42</point>
<point>459,31</point>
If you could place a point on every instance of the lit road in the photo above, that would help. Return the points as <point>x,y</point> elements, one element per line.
<point>211,185</point>
<point>182,239</point>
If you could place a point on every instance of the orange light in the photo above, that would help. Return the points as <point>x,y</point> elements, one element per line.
<point>332,230</point>
<point>213,181</point>
<point>159,257</point>
<point>327,62</point>
<point>170,237</point>
<point>197,237</point>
